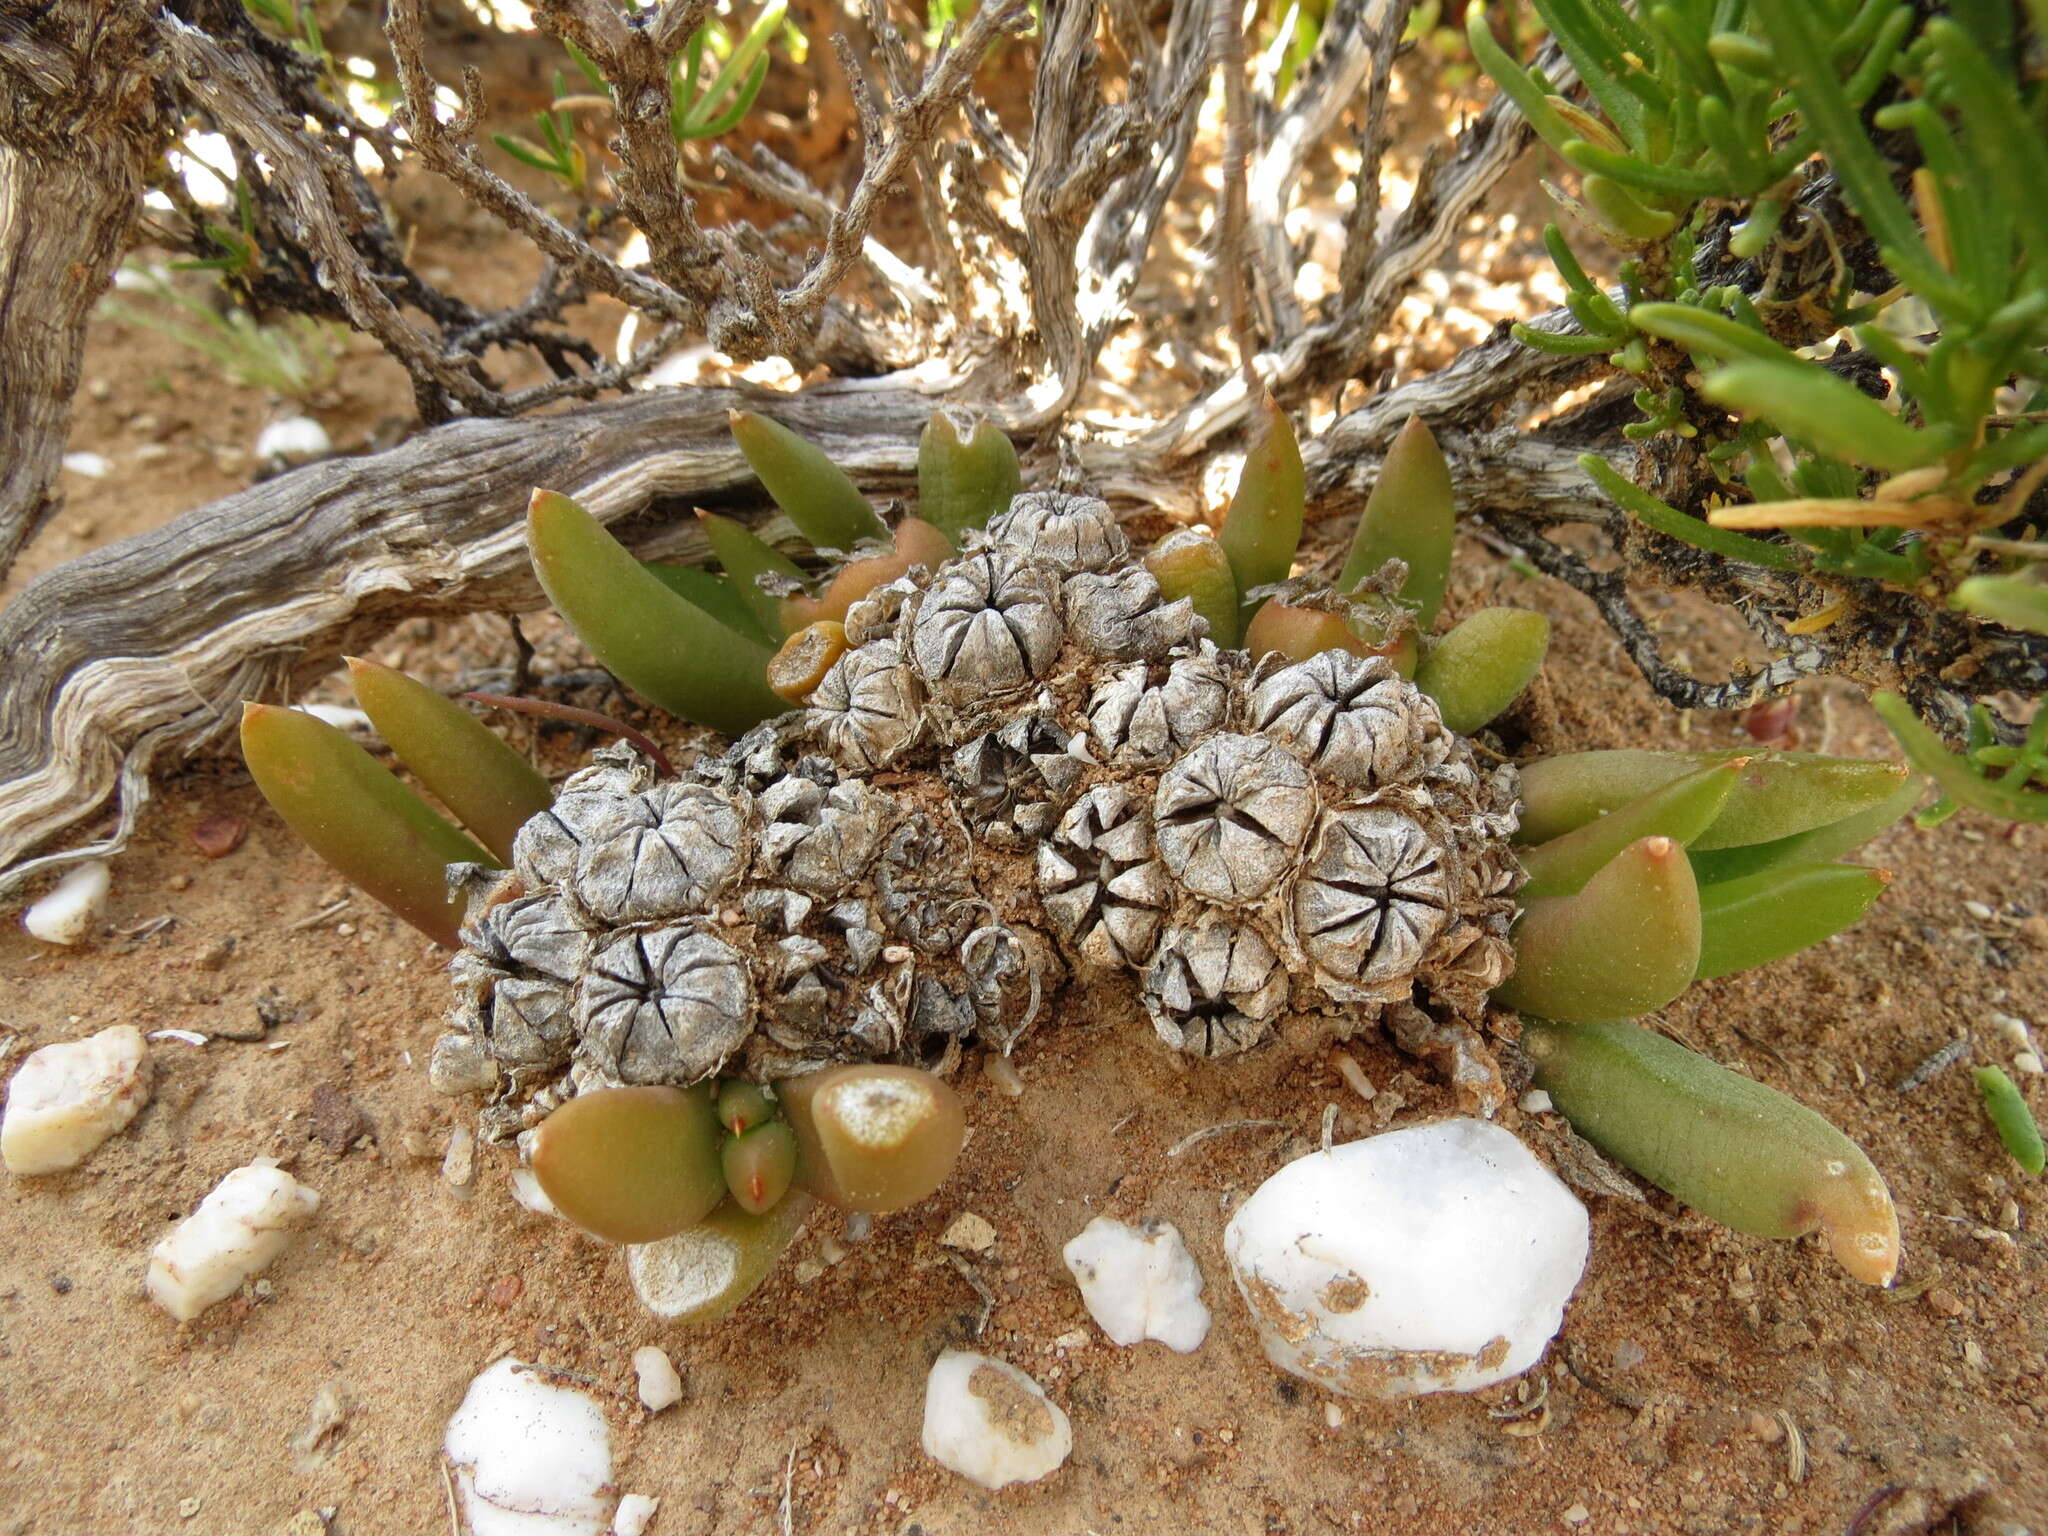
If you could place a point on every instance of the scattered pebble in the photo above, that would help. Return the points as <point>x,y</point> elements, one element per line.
<point>1943,1300</point>
<point>218,836</point>
<point>2014,1030</point>
<point>1578,1514</point>
<point>661,1384</point>
<point>236,1232</point>
<point>635,1511</point>
<point>66,1099</point>
<point>295,440</point>
<point>1140,1283</point>
<point>458,1163</point>
<point>969,1233</point>
<point>2028,1062</point>
<point>531,1458</point>
<point>94,466</point>
<point>1979,911</point>
<point>991,1423</point>
<point>1535,1102</point>
<point>527,1191</point>
<point>1433,1259</point>
<point>67,914</point>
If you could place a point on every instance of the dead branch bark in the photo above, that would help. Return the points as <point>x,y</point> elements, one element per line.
<point>80,125</point>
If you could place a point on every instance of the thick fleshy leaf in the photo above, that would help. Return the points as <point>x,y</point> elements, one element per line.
<point>658,644</point>
<point>1821,845</point>
<point>872,1138</point>
<point>1680,810</point>
<point>1746,1155</point>
<point>2017,602</point>
<point>1626,943</point>
<point>1760,918</point>
<point>1299,633</point>
<point>1804,400</point>
<point>759,1165</point>
<point>632,1164</point>
<point>915,542</point>
<point>743,1105</point>
<point>1779,794</point>
<point>1482,664</point>
<point>1410,516</point>
<point>699,1275</point>
<point>806,656</point>
<point>816,493</point>
<point>1262,530</point>
<point>1191,564</point>
<point>963,482</point>
<point>352,812</point>
<point>745,556</point>
<point>716,594</point>
<point>492,790</point>
<point>2006,1109</point>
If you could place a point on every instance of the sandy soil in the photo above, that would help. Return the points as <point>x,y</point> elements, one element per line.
<point>1704,1382</point>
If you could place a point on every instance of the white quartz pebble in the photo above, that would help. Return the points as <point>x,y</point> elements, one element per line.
<point>1435,1259</point>
<point>67,914</point>
<point>68,1098</point>
<point>990,1422</point>
<point>295,440</point>
<point>531,1458</point>
<point>236,1232</point>
<point>661,1385</point>
<point>1140,1283</point>
<point>636,1511</point>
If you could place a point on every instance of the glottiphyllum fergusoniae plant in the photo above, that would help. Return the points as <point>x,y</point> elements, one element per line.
<point>1020,755</point>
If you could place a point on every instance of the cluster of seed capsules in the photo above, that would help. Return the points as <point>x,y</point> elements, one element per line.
<point>1026,767</point>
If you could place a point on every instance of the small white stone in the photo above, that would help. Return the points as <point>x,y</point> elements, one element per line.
<point>1434,1259</point>
<point>531,1458</point>
<point>458,1163</point>
<point>525,1186</point>
<point>2015,1030</point>
<point>1535,1102</point>
<point>1140,1283</point>
<point>68,1098</point>
<point>1979,911</point>
<point>990,1423</point>
<point>67,914</point>
<point>636,1511</point>
<point>969,1233</point>
<point>236,1232</point>
<point>340,716</point>
<point>2027,1063</point>
<point>661,1385</point>
<point>94,466</point>
<point>295,440</point>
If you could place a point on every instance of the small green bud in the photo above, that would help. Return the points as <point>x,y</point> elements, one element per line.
<point>632,1164</point>
<point>1191,564</point>
<point>961,484</point>
<point>759,1165</point>
<point>702,1273</point>
<point>872,1138</point>
<point>1753,921</point>
<point>352,812</point>
<point>1624,944</point>
<point>743,1105</point>
<point>1680,810</point>
<point>2009,1116</point>
<point>1729,1147</point>
<point>1482,665</point>
<point>1262,530</point>
<point>1411,516</point>
<point>819,497</point>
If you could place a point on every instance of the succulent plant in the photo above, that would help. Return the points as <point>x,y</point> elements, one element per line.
<point>1030,760</point>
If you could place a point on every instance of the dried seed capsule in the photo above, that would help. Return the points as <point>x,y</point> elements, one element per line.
<point>1213,987</point>
<point>1373,896</point>
<point>1136,722</point>
<point>806,656</point>
<point>631,1164</point>
<point>2006,1109</point>
<point>1262,530</point>
<point>699,1275</point>
<point>743,1105</point>
<point>1012,784</point>
<point>1481,666</point>
<point>1122,616</point>
<point>1624,944</point>
<point>1733,1149</point>
<point>666,1005</point>
<point>820,840</point>
<point>869,708</point>
<point>667,853</point>
<point>758,1165</point>
<point>529,933</point>
<point>1409,517</point>
<point>964,481</point>
<point>357,817</point>
<point>1061,532</point>
<point>989,625</point>
<point>1753,921</point>
<point>1229,816</point>
<point>873,1138</point>
<point>1680,809</point>
<point>1349,717</point>
<point>1102,885</point>
<point>814,491</point>
<point>1190,564</point>
<point>491,789</point>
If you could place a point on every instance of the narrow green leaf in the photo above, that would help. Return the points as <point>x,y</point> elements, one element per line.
<point>1411,516</point>
<point>1191,564</point>
<point>1760,918</point>
<point>1707,333</point>
<point>1953,773</point>
<point>1482,665</point>
<point>746,556</point>
<point>1819,845</point>
<point>1626,943</point>
<point>1262,529</point>
<point>1514,81</point>
<point>355,815</point>
<point>1806,401</point>
<point>2007,1111</point>
<point>1680,809</point>
<point>821,500</point>
<point>1633,221</point>
<point>963,482</point>
<point>656,643</point>
<point>718,595</point>
<point>2017,602</point>
<point>1733,1149</point>
<point>1672,523</point>
<point>1660,180</point>
<point>492,790</point>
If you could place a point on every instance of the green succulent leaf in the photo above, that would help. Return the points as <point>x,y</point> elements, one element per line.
<point>1672,523</point>
<point>1760,918</point>
<point>1190,564</point>
<point>759,1165</point>
<point>826,506</point>
<point>743,1105</point>
<point>1805,401</point>
<point>872,1138</point>
<point>1819,845</point>
<point>352,812</point>
<point>1262,530</point>
<point>700,1274</point>
<point>2017,602</point>
<point>1954,774</point>
<point>1733,1149</point>
<point>2007,1111</point>
<point>964,481</point>
<point>718,595</point>
<point>745,556</point>
<point>1681,809</point>
<point>632,1164</point>
<point>1480,666</point>
<point>1410,516</point>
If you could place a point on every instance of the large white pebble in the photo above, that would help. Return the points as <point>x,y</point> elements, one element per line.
<point>991,1423</point>
<point>67,914</point>
<point>1437,1259</point>
<point>236,1232</point>
<point>1140,1283</point>
<point>531,1458</point>
<point>68,1098</point>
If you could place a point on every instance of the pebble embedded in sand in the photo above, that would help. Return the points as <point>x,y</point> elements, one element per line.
<point>67,1098</point>
<point>1140,1283</point>
<point>1434,1259</point>
<point>636,1511</point>
<point>237,1231</point>
<point>991,1423</point>
<point>661,1385</point>
<point>531,1458</point>
<point>295,440</point>
<point>67,914</point>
